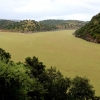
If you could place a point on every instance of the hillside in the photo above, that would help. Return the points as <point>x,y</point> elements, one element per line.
<point>91,31</point>
<point>26,26</point>
<point>5,23</point>
<point>64,24</point>
<point>29,26</point>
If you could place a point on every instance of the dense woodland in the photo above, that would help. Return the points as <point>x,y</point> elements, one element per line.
<point>91,31</point>
<point>29,26</point>
<point>65,24</point>
<point>25,26</point>
<point>31,80</point>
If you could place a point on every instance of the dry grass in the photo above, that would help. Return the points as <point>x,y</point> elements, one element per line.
<point>71,55</point>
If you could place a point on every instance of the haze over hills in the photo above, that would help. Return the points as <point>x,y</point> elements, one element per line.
<point>91,31</point>
<point>35,26</point>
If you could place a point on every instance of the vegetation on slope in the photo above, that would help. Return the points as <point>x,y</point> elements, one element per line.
<point>32,81</point>
<point>91,31</point>
<point>5,23</point>
<point>26,26</point>
<point>64,24</point>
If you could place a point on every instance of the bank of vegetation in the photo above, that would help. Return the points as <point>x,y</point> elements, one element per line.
<point>30,26</point>
<point>65,24</point>
<point>24,26</point>
<point>91,31</point>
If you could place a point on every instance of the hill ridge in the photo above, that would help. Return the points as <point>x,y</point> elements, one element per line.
<point>26,26</point>
<point>91,31</point>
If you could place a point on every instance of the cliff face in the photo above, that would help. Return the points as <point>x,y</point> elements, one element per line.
<point>91,31</point>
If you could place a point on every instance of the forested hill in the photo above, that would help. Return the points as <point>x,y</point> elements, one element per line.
<point>27,26</point>
<point>5,23</point>
<point>24,26</point>
<point>91,31</point>
<point>64,24</point>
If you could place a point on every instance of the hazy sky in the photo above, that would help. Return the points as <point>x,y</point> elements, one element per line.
<point>49,9</point>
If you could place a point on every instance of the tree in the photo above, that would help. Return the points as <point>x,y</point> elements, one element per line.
<point>81,89</point>
<point>37,68</point>
<point>37,91</point>
<point>4,55</point>
<point>12,82</point>
<point>56,85</point>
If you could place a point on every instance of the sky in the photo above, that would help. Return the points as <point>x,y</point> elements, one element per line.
<point>38,10</point>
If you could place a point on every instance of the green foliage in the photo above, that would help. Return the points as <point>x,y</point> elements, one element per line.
<point>13,82</point>
<point>64,24</point>
<point>37,68</point>
<point>16,84</point>
<point>4,55</point>
<point>4,24</point>
<point>91,31</point>
<point>29,26</point>
<point>56,85</point>
<point>25,26</point>
<point>81,89</point>
<point>36,92</point>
